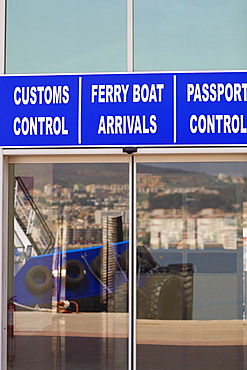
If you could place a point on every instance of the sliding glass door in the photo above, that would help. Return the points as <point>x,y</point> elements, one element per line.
<point>67,293</point>
<point>191,239</point>
<point>129,263</point>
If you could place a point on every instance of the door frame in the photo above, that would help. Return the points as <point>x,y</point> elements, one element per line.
<point>98,155</point>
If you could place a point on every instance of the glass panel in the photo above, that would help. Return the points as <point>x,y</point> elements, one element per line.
<point>191,222</point>
<point>66,36</point>
<point>68,295</point>
<point>190,35</point>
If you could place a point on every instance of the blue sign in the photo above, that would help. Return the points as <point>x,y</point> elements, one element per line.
<point>211,108</point>
<point>155,109</point>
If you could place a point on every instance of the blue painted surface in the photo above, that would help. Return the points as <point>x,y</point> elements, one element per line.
<point>90,286</point>
<point>159,109</point>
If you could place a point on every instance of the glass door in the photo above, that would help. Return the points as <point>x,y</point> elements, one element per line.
<point>69,271</point>
<point>191,239</point>
<point>67,291</point>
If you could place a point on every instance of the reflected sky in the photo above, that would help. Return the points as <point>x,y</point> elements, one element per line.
<point>66,36</point>
<point>190,34</point>
<point>90,36</point>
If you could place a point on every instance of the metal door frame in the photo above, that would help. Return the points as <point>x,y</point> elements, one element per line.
<point>9,156</point>
<point>50,155</point>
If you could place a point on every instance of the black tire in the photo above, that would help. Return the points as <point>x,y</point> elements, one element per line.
<point>124,260</point>
<point>121,300</point>
<point>39,280</point>
<point>145,261</point>
<point>75,273</point>
<point>95,265</point>
<point>164,298</point>
<point>188,293</point>
<point>141,304</point>
<point>186,272</point>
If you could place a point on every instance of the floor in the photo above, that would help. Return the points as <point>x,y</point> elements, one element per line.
<point>99,341</point>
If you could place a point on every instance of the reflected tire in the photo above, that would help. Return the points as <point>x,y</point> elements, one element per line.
<point>95,265</point>
<point>185,271</point>
<point>187,278</point>
<point>164,298</point>
<point>121,300</point>
<point>145,261</point>
<point>75,273</point>
<point>39,280</point>
<point>124,260</point>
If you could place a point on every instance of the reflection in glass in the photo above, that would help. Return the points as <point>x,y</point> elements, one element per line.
<point>67,294</point>
<point>64,37</point>
<point>190,229</point>
<point>190,35</point>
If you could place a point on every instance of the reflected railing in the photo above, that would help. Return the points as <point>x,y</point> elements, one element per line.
<point>31,221</point>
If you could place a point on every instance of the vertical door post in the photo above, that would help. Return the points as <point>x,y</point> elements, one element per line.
<point>132,264</point>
